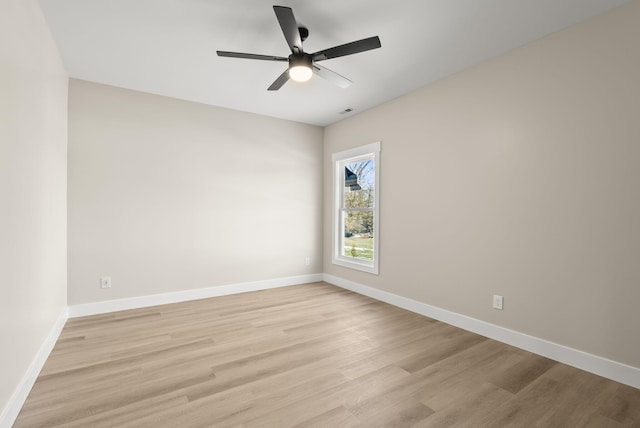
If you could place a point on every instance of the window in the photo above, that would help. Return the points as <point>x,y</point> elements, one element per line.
<point>356,207</point>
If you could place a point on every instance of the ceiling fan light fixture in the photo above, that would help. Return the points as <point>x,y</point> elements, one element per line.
<point>300,73</point>
<point>300,68</point>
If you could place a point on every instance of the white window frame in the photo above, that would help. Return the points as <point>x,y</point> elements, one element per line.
<point>339,160</point>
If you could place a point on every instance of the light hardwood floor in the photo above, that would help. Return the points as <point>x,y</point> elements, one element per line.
<point>306,356</point>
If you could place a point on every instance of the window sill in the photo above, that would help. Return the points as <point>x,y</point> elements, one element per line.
<point>352,263</point>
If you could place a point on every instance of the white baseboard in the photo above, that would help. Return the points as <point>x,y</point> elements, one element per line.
<point>12,409</point>
<point>183,296</point>
<point>591,363</point>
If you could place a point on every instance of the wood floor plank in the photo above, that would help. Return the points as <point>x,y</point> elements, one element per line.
<point>478,399</point>
<point>306,356</point>
<point>527,369</point>
<point>623,406</point>
<point>407,413</point>
<point>337,417</point>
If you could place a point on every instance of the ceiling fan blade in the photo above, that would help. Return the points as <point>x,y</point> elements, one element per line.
<point>251,56</point>
<point>347,49</point>
<point>281,80</point>
<point>331,76</point>
<point>289,27</point>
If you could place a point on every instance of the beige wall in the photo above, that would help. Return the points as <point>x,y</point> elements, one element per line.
<point>518,177</point>
<point>33,158</point>
<point>167,195</point>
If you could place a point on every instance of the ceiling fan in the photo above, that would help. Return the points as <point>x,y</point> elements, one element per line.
<point>301,64</point>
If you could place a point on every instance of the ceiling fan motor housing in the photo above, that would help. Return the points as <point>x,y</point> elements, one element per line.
<point>300,60</point>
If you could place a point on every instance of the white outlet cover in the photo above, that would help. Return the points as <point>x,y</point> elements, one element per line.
<point>105,282</point>
<point>497,301</point>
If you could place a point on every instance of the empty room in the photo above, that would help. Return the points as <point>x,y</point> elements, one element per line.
<point>423,213</point>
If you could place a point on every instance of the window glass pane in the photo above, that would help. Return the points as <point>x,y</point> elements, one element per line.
<point>358,234</point>
<point>359,184</point>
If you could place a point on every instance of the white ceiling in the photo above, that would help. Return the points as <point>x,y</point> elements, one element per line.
<point>168,47</point>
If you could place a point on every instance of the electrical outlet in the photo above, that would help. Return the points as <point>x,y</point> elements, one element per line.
<point>307,261</point>
<point>497,302</point>
<point>105,282</point>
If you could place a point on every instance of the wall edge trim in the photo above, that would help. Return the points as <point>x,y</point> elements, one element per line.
<point>106,306</point>
<point>594,364</point>
<point>20,394</point>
